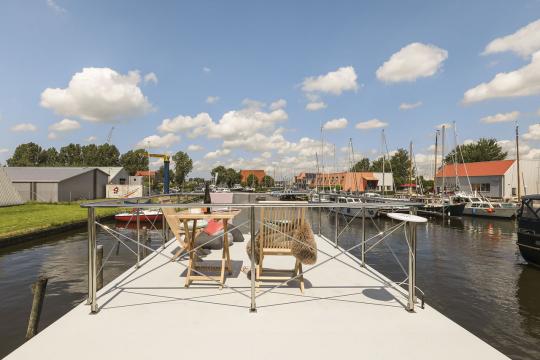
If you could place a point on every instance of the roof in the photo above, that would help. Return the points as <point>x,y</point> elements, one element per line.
<point>483,168</point>
<point>46,174</point>
<point>112,171</point>
<point>9,195</point>
<point>145,173</point>
<point>259,174</point>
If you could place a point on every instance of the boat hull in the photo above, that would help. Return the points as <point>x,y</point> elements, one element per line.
<point>142,218</point>
<point>437,210</point>
<point>529,247</point>
<point>505,213</point>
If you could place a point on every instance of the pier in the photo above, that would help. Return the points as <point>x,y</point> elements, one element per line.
<point>346,308</point>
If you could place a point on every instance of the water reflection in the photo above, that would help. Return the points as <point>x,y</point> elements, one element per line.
<point>469,268</point>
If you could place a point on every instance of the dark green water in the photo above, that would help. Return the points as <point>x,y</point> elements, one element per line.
<point>469,269</point>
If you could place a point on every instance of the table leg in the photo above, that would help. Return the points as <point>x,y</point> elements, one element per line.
<point>189,245</point>
<point>226,245</point>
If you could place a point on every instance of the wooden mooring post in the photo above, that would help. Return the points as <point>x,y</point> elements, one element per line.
<point>99,265</point>
<point>38,290</point>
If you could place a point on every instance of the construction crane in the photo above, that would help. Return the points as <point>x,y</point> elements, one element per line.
<point>166,161</point>
<point>109,137</point>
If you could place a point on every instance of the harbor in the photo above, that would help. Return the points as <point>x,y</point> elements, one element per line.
<point>256,180</point>
<point>457,254</point>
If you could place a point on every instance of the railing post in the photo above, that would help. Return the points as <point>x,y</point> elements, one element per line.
<point>320,209</point>
<point>91,228</point>
<point>336,234</point>
<point>93,260</point>
<point>363,246</point>
<point>412,262</point>
<point>138,237</point>
<point>253,307</point>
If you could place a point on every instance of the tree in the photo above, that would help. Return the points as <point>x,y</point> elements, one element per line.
<point>90,155</point>
<point>482,150</point>
<point>108,155</point>
<point>70,155</point>
<point>221,172</point>
<point>26,155</point>
<point>362,165</point>
<point>399,164</point>
<point>134,160</point>
<point>252,181</point>
<point>267,181</point>
<point>232,177</point>
<point>49,157</point>
<point>183,166</point>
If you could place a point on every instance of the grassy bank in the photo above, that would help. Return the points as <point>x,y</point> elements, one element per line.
<point>31,218</point>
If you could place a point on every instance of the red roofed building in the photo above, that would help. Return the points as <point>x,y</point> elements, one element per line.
<point>496,179</point>
<point>244,174</point>
<point>145,173</point>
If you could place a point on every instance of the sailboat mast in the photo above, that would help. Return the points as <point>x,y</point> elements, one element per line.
<point>435,165</point>
<point>517,160</point>
<point>383,161</point>
<point>442,158</point>
<point>410,168</point>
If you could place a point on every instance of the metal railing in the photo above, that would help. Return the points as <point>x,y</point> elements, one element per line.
<point>374,240</point>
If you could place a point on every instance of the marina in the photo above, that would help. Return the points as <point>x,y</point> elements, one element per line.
<point>459,251</point>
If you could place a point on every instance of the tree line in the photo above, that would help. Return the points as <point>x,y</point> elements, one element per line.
<point>104,155</point>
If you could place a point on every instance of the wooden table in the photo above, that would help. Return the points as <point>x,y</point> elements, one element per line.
<point>225,216</point>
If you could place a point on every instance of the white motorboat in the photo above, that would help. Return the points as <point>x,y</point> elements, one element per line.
<point>476,205</point>
<point>357,212</point>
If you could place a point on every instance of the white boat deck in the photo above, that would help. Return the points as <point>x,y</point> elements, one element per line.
<point>148,314</point>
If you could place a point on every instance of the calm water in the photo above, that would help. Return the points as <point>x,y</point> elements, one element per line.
<point>469,269</point>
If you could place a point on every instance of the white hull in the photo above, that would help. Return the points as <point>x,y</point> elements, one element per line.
<point>505,213</point>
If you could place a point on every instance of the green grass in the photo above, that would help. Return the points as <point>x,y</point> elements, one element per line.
<point>33,217</point>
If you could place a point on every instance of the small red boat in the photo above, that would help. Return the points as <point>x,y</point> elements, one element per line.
<point>144,216</point>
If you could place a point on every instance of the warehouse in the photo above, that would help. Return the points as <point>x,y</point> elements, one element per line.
<point>496,179</point>
<point>9,195</point>
<point>117,174</point>
<point>58,184</point>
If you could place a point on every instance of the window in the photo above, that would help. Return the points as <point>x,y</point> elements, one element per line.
<point>514,191</point>
<point>122,181</point>
<point>485,187</point>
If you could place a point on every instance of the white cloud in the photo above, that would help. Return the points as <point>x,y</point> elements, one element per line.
<point>24,127</point>
<point>500,117</point>
<point>243,123</point>
<point>194,147</point>
<point>523,42</point>
<point>259,142</point>
<point>53,5</point>
<point>65,125</point>
<point>533,133</point>
<point>525,151</point>
<point>91,139</point>
<point>524,81</point>
<point>335,124</point>
<point>468,141</point>
<point>156,141</point>
<point>253,104</point>
<point>52,136</point>
<point>184,122</point>
<point>314,106</point>
<point>409,106</point>
<point>206,69</point>
<point>4,150</point>
<point>212,99</point>
<point>278,104</point>
<point>413,61</point>
<point>99,95</point>
<point>150,77</point>
<point>266,155</point>
<point>371,124</point>
<point>334,82</point>
<point>217,154</point>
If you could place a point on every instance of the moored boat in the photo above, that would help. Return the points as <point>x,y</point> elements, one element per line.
<point>357,212</point>
<point>479,206</point>
<point>529,229</point>
<point>144,216</point>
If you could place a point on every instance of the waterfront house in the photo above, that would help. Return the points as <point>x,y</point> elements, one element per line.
<point>497,179</point>
<point>58,184</point>
<point>244,174</point>
<point>347,181</point>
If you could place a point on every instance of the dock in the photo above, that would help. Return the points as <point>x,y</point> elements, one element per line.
<point>346,311</point>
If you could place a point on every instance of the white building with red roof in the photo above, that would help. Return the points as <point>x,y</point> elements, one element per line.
<point>497,179</point>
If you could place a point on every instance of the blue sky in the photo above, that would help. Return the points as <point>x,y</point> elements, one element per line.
<point>302,52</point>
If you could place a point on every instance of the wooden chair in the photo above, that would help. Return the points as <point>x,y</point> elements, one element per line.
<point>275,238</point>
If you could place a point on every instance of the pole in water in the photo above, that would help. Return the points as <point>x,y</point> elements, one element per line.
<point>38,289</point>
